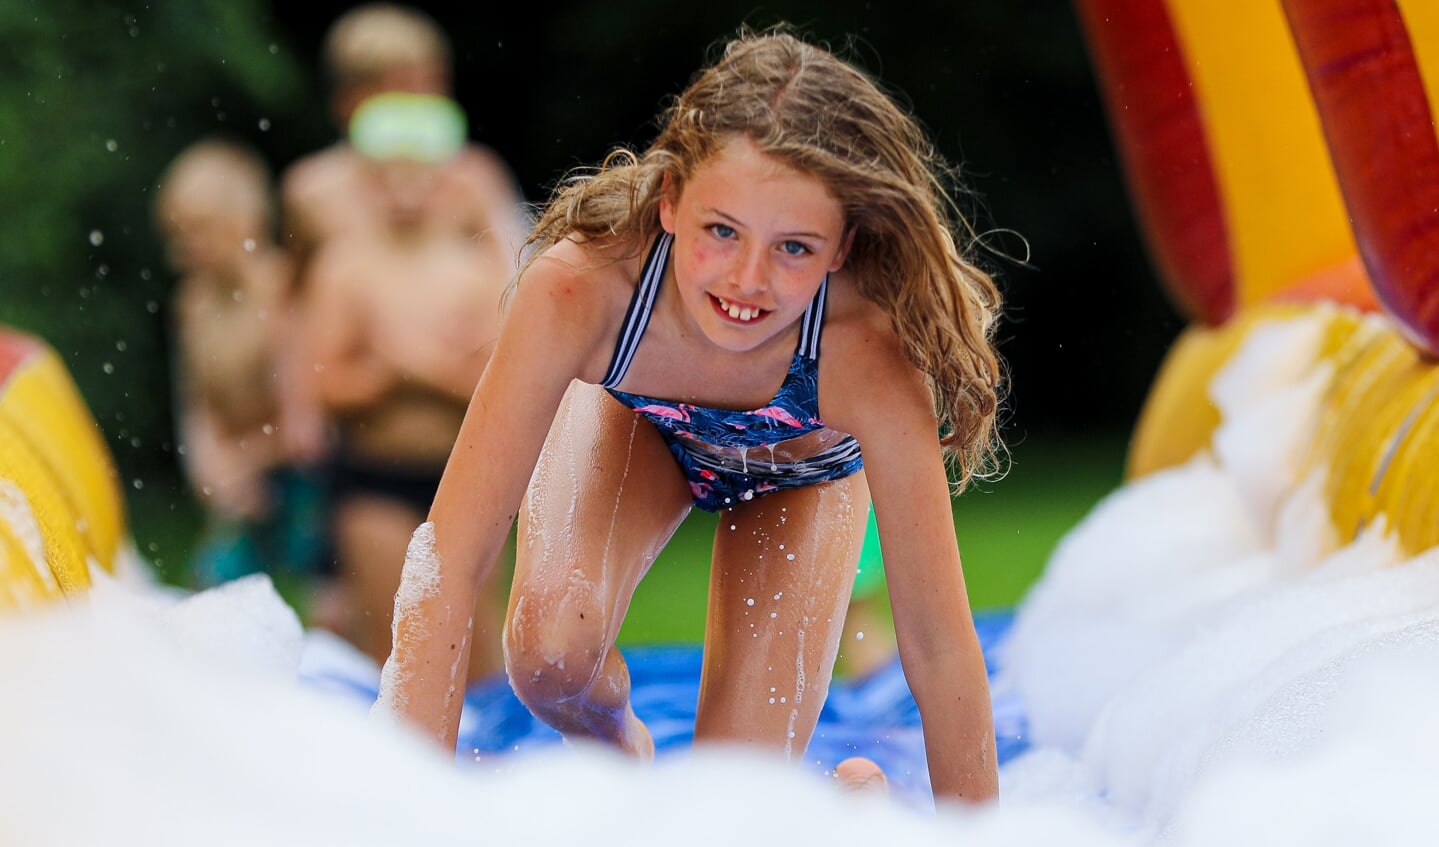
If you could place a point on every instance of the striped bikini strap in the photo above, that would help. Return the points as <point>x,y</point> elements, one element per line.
<point>637,317</point>
<point>812,322</point>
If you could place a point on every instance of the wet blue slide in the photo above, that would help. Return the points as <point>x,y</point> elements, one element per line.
<point>874,716</point>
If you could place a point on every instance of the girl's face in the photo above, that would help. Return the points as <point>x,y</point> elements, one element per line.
<point>754,239</point>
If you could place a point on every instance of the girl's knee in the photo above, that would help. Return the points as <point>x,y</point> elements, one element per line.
<point>550,662</point>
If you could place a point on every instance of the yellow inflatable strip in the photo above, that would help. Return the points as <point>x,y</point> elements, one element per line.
<point>1408,486</point>
<point>1350,346</point>
<point>1179,418</point>
<point>1421,18</point>
<point>42,406</point>
<point>64,568</point>
<point>1282,202</point>
<point>21,583</point>
<point>1366,420</point>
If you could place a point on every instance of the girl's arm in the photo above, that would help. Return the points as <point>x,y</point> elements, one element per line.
<point>885,403</point>
<point>556,321</point>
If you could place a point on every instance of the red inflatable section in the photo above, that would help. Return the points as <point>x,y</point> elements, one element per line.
<point>1160,135</point>
<point>14,349</point>
<point>1383,147</point>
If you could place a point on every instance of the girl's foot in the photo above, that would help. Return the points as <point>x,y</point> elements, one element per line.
<point>858,775</point>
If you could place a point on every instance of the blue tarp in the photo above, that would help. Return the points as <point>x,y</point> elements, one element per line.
<point>874,716</point>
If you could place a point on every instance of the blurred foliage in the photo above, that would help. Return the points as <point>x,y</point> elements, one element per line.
<point>95,99</point>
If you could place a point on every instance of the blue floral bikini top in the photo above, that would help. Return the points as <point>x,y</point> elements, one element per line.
<point>794,411</point>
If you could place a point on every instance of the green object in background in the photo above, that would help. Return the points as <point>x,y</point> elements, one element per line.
<point>869,580</point>
<point>398,125</point>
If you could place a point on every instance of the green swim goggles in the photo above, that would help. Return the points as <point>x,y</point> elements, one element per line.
<point>421,127</point>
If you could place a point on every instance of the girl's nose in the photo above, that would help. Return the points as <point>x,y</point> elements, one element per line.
<point>752,275</point>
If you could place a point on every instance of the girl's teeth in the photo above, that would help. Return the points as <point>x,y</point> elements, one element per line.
<point>736,312</point>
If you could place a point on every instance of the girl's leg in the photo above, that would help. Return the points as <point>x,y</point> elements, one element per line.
<point>605,498</point>
<point>783,569</point>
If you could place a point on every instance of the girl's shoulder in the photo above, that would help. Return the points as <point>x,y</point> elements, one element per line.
<point>588,272</point>
<point>855,326</point>
<point>583,290</point>
<point>864,373</point>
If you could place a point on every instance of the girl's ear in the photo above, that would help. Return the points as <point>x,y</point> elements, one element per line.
<point>668,198</point>
<point>844,247</point>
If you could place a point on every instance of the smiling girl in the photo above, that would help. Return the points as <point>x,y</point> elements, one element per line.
<point>766,315</point>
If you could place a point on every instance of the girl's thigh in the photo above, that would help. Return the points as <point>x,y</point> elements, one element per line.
<point>783,569</point>
<point>605,497</point>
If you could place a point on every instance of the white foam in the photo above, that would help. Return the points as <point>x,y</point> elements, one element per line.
<point>419,581</point>
<point>119,729</point>
<point>1200,629</point>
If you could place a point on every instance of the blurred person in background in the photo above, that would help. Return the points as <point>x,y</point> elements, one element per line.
<point>213,211</point>
<point>374,49</point>
<point>399,320</point>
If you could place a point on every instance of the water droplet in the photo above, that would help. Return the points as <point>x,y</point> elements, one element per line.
<point>249,245</point>
<point>112,145</point>
<point>771,700</point>
<point>749,601</point>
<point>268,429</point>
<point>859,636</point>
<point>274,49</point>
<point>152,307</point>
<point>264,124</point>
<point>121,345</point>
<point>107,368</point>
<point>138,483</point>
<point>97,237</point>
<point>789,556</point>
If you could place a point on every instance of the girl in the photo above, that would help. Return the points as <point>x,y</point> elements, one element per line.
<point>765,315</point>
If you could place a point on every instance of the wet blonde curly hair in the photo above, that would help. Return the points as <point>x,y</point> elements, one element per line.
<point>801,104</point>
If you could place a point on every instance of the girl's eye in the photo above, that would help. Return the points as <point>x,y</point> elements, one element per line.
<point>793,248</point>
<point>722,231</point>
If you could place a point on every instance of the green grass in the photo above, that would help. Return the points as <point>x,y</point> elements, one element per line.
<point>1006,529</point>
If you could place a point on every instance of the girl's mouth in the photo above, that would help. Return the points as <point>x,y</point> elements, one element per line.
<point>736,312</point>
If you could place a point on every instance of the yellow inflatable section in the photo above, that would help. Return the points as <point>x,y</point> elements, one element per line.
<point>1290,237</point>
<point>61,511</point>
<point>1280,196</point>
<point>1376,437</point>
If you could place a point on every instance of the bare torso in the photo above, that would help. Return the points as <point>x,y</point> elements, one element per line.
<point>326,195</point>
<point>426,311</point>
<point>227,333</point>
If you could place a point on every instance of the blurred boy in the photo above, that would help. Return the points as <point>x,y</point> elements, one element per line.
<point>373,49</point>
<point>400,319</point>
<point>213,211</point>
